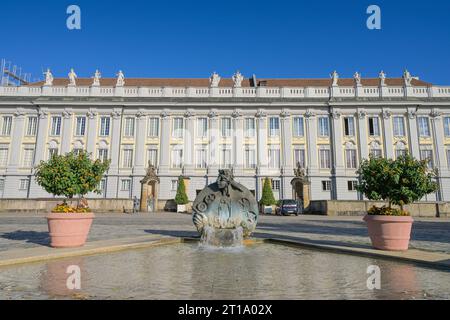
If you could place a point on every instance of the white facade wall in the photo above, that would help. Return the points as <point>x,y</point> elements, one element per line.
<point>278,164</point>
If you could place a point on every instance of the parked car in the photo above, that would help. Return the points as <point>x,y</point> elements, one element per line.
<point>286,207</point>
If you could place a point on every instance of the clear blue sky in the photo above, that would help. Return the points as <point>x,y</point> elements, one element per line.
<point>277,38</point>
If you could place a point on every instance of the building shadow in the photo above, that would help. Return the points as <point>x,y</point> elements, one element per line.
<point>36,237</point>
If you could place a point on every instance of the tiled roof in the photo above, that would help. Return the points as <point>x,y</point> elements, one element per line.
<point>226,82</point>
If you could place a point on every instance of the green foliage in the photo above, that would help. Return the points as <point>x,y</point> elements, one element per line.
<point>181,197</point>
<point>398,182</point>
<point>71,174</point>
<point>267,198</point>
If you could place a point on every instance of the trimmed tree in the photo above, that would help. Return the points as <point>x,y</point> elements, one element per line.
<point>181,196</point>
<point>398,182</point>
<point>72,174</point>
<point>267,198</point>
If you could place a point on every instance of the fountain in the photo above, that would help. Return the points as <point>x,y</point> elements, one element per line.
<point>225,212</point>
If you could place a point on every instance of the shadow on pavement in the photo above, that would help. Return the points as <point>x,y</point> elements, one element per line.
<point>41,238</point>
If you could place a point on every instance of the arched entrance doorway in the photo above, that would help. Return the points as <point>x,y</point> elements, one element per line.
<point>149,190</point>
<point>301,187</point>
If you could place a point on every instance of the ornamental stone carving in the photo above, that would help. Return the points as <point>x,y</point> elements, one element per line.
<point>407,78</point>
<point>72,78</point>
<point>97,76</point>
<point>116,114</point>
<point>140,114</point>
<point>188,114</point>
<point>412,114</point>
<point>260,114</point>
<point>67,114</point>
<point>335,114</point>
<point>120,79</point>
<point>214,80</point>
<point>309,114</point>
<point>357,77</point>
<point>237,79</point>
<point>164,114</point>
<point>19,113</point>
<point>285,113</point>
<point>382,77</point>
<point>435,113</point>
<point>386,114</point>
<point>362,114</point>
<point>335,77</point>
<point>213,114</point>
<point>48,78</point>
<point>236,113</point>
<point>225,204</point>
<point>91,114</point>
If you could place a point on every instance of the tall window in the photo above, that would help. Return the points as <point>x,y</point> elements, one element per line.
<point>177,158</point>
<point>276,185</point>
<point>250,128</point>
<point>324,126</point>
<point>52,152</point>
<point>102,186</point>
<point>104,126</point>
<point>153,155</point>
<point>298,127</point>
<point>80,129</point>
<point>225,156</point>
<point>299,157</point>
<point>428,156</point>
<point>129,127</point>
<point>56,126</point>
<point>226,127</point>
<point>28,154</point>
<point>448,158</point>
<point>177,129</point>
<point>125,185</point>
<point>351,160</point>
<point>447,126</point>
<point>202,127</point>
<point>127,158</point>
<point>24,184</point>
<point>274,127</point>
<point>200,157</point>
<point>424,126</point>
<point>3,157</point>
<point>376,153</point>
<point>349,126</point>
<point>153,127</point>
<point>274,157</point>
<point>325,158</point>
<point>31,126</point>
<point>250,157</point>
<point>6,125</point>
<point>374,127</point>
<point>399,126</point>
<point>103,154</point>
<point>326,185</point>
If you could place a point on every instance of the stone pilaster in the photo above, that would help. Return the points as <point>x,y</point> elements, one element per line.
<point>67,131</point>
<point>164,154</point>
<point>413,133</point>
<point>16,144</point>
<point>261,131</point>
<point>337,144</point>
<point>387,133</point>
<point>189,143</point>
<point>287,165</point>
<point>140,137</point>
<point>311,135</point>
<point>91,131</point>
<point>238,143</point>
<point>363,140</point>
<point>214,139</point>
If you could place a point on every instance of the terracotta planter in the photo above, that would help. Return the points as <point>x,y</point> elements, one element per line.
<point>69,229</point>
<point>389,232</point>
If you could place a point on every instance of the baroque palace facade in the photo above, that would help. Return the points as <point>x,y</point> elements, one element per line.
<point>193,127</point>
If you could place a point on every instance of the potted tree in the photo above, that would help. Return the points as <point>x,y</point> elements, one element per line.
<point>398,183</point>
<point>267,199</point>
<point>181,198</point>
<point>69,175</point>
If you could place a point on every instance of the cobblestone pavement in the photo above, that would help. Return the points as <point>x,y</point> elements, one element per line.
<point>18,230</point>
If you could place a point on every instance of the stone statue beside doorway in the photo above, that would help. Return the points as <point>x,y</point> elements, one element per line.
<point>149,190</point>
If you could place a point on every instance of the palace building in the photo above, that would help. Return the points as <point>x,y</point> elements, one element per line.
<point>193,127</point>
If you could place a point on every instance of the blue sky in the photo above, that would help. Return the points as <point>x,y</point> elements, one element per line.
<point>281,38</point>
